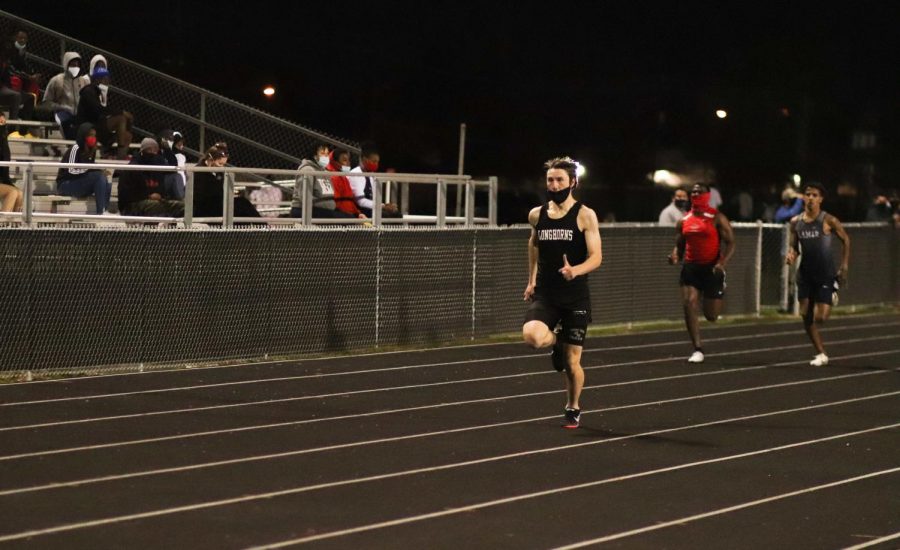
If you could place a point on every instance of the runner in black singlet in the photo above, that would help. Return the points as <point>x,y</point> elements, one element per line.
<point>564,247</point>
<point>817,279</point>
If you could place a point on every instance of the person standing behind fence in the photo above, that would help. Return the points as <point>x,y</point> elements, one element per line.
<point>19,83</point>
<point>563,248</point>
<point>676,210</point>
<point>705,241</point>
<point>817,280</point>
<point>84,182</point>
<point>10,195</point>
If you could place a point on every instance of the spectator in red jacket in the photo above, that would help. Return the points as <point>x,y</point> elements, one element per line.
<point>344,199</point>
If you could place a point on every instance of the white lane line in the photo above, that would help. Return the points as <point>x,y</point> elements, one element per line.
<point>518,344</point>
<point>736,507</point>
<point>312,450</point>
<point>429,469</point>
<point>508,500</point>
<point>874,542</point>
<point>463,381</point>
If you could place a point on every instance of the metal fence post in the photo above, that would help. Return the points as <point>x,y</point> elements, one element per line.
<point>785,270</point>
<point>307,200</point>
<point>228,201</point>
<point>376,202</point>
<point>758,265</point>
<point>441,203</point>
<point>189,200</point>
<point>28,202</point>
<point>404,197</point>
<point>492,202</point>
<point>470,202</point>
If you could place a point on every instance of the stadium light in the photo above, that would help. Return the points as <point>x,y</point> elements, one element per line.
<point>580,170</point>
<point>667,178</point>
<point>269,92</point>
<point>721,113</point>
<point>796,180</point>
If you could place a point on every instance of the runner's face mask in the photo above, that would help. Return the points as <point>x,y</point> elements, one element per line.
<point>560,196</point>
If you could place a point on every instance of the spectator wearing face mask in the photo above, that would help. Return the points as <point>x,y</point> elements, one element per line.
<point>84,182</point>
<point>344,199</point>
<point>672,214</point>
<point>363,186</point>
<point>63,93</point>
<point>113,125</point>
<point>144,193</point>
<point>322,189</point>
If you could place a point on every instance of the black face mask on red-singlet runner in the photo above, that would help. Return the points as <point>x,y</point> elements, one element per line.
<point>560,196</point>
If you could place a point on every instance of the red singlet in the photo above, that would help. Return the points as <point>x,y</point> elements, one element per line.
<point>701,237</point>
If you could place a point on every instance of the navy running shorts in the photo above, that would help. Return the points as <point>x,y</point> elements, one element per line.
<point>817,292</point>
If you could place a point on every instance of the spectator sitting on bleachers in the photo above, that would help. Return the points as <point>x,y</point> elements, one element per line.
<point>173,182</point>
<point>113,125</point>
<point>10,196</point>
<point>83,182</point>
<point>63,93</point>
<point>144,193</point>
<point>344,199</point>
<point>363,186</point>
<point>209,191</point>
<point>19,84</point>
<point>322,190</point>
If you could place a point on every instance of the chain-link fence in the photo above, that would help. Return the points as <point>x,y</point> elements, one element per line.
<point>159,101</point>
<point>104,300</point>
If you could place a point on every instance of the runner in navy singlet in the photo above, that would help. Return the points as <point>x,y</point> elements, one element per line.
<point>705,241</point>
<point>563,248</point>
<point>817,279</point>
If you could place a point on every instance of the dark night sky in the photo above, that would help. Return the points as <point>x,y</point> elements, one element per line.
<point>531,81</point>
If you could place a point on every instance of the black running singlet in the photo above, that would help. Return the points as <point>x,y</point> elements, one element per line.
<point>817,260</point>
<point>555,238</point>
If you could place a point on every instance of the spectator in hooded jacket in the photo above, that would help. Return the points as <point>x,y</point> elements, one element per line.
<point>173,182</point>
<point>63,93</point>
<point>144,193</point>
<point>113,125</point>
<point>209,189</point>
<point>84,182</point>
<point>322,189</point>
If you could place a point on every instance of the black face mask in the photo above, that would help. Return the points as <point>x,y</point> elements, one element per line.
<point>682,204</point>
<point>560,196</point>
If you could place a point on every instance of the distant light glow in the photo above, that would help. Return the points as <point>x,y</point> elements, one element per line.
<point>796,180</point>
<point>269,91</point>
<point>580,170</point>
<point>785,112</point>
<point>721,113</point>
<point>667,178</point>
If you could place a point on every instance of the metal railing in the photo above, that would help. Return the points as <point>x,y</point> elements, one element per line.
<point>439,181</point>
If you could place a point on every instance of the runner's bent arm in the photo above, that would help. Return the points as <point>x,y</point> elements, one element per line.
<point>845,239</point>
<point>793,249</point>
<point>677,252</point>
<point>587,222</point>
<point>726,234</point>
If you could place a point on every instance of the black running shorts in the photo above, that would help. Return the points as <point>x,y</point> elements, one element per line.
<point>703,278</point>
<point>574,319</point>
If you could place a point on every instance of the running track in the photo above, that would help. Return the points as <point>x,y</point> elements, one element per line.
<point>462,446</point>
